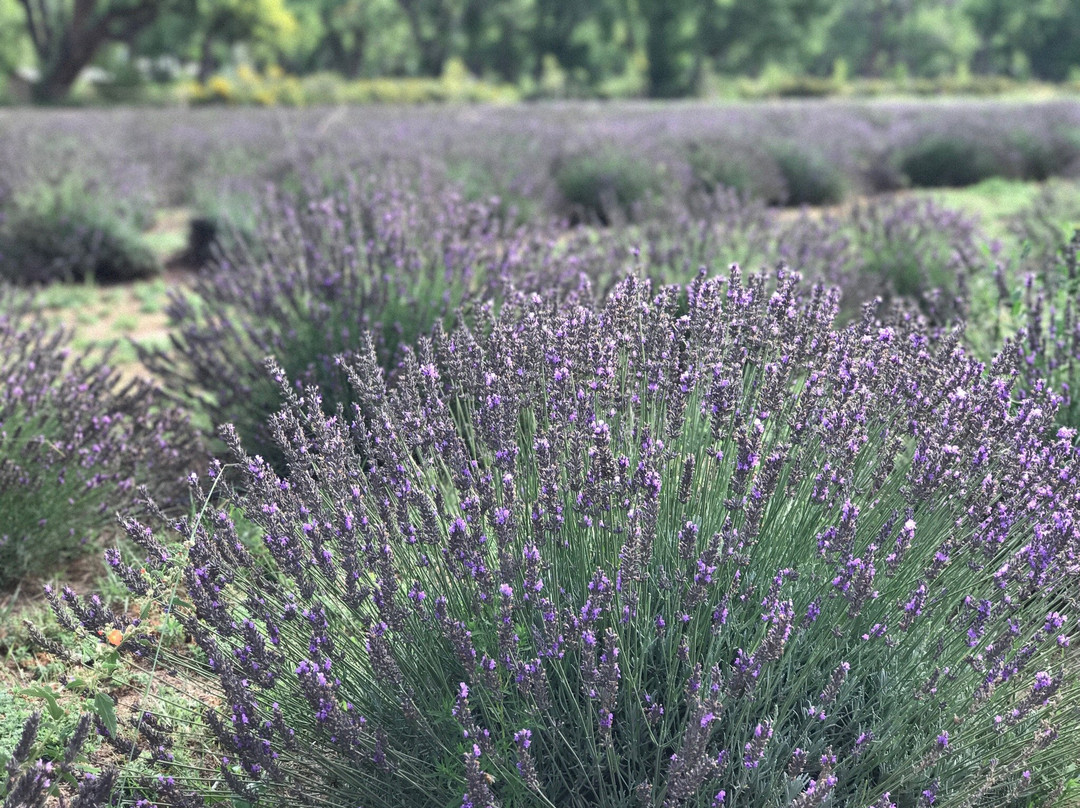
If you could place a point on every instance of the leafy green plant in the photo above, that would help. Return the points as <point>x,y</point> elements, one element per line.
<point>939,160</point>
<point>809,178</point>
<point>66,233</point>
<point>604,184</point>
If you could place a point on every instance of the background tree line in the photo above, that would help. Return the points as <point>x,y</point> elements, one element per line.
<point>670,45</point>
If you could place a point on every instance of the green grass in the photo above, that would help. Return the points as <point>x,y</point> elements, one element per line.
<point>69,295</point>
<point>126,323</point>
<point>151,295</point>
<point>996,200</point>
<point>164,243</point>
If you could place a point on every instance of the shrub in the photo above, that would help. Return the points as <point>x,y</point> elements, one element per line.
<point>810,179</point>
<point>320,273</point>
<point>63,233</point>
<point>476,182</point>
<point>750,171</point>
<point>275,88</point>
<point>938,161</point>
<point>1038,159</point>
<point>690,548</point>
<point>30,780</point>
<point>1043,228</point>
<point>712,229</point>
<point>916,250</point>
<point>73,440</point>
<point>604,184</point>
<point>226,215</point>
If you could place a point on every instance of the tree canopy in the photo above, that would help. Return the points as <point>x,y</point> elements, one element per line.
<point>670,44</point>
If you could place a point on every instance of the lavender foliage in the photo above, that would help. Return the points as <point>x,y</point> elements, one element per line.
<point>909,250</point>
<point>172,154</point>
<point>326,268</point>
<point>72,230</point>
<point>29,781</point>
<point>691,547</point>
<point>75,438</point>
<point>1049,344</point>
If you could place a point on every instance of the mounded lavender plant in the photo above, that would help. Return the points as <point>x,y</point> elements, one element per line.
<point>74,438</point>
<point>325,271</point>
<point>693,547</point>
<point>915,250</point>
<point>72,231</point>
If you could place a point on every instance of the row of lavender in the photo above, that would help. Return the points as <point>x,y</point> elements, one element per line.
<point>721,542</point>
<point>90,178</point>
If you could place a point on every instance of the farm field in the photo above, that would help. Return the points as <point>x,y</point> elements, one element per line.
<point>579,455</point>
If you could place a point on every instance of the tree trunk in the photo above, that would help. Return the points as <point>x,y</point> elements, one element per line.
<point>435,49</point>
<point>60,75</point>
<point>206,59</point>
<point>65,50</point>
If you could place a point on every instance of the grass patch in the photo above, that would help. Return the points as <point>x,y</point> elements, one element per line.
<point>126,323</point>
<point>164,243</point>
<point>152,296</point>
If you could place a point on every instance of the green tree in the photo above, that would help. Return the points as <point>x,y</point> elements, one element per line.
<point>67,34</point>
<point>14,45</point>
<point>434,25</point>
<point>558,31</point>
<point>672,46</point>
<point>742,36</point>
<point>1041,35</point>
<point>206,30</point>
<point>497,37</point>
<point>920,37</point>
<point>334,35</point>
<point>221,24</point>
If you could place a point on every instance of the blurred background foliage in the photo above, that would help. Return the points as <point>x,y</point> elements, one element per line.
<point>334,51</point>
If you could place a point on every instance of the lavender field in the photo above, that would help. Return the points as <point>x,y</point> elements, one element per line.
<point>566,455</point>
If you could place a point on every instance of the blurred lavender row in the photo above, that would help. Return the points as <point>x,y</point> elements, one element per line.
<point>176,155</point>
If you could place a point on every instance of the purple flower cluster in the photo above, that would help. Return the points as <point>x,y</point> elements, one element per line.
<point>74,440</point>
<point>26,782</point>
<point>502,575</point>
<point>330,268</point>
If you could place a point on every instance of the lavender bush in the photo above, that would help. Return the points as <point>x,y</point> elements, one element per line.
<point>321,273</point>
<point>172,154</point>
<point>915,250</point>
<point>947,160</point>
<point>911,250</point>
<point>74,438</point>
<point>605,184</point>
<point>72,231</point>
<point>693,547</point>
<point>809,177</point>
<point>1044,227</point>
<point>744,167</point>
